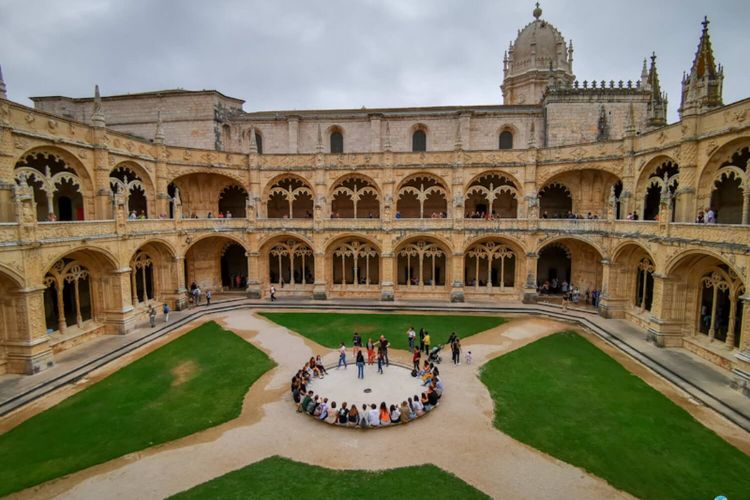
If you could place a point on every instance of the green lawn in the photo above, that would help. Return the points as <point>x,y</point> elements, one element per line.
<point>194,382</point>
<point>330,329</point>
<point>281,478</point>
<point>567,398</point>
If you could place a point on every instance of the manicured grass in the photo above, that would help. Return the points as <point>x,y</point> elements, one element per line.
<point>281,478</point>
<point>330,329</point>
<point>567,398</point>
<point>194,382</point>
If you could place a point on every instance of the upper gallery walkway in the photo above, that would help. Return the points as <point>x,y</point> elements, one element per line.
<point>714,235</point>
<point>706,383</point>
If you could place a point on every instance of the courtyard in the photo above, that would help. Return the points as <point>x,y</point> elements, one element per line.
<point>543,410</point>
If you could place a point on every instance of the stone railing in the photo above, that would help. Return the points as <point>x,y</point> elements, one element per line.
<point>732,237</point>
<point>8,233</point>
<point>75,230</point>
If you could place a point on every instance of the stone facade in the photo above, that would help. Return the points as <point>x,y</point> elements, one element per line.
<point>96,224</point>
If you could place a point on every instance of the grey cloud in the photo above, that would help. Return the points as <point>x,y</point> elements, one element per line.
<point>301,54</point>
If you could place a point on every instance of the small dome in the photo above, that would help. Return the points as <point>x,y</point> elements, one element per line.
<point>538,45</point>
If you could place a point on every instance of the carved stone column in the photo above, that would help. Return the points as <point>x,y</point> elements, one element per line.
<point>118,311</point>
<point>664,331</point>
<point>386,285</point>
<point>254,288</point>
<point>179,298</point>
<point>457,277</point>
<point>319,288</point>
<point>27,347</point>
<point>529,287</point>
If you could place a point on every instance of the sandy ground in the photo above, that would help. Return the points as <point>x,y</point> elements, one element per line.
<point>458,436</point>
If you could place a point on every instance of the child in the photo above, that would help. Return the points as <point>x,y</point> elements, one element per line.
<point>468,357</point>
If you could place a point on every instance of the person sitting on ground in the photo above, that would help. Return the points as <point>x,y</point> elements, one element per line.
<point>343,414</point>
<point>373,416</point>
<point>385,415</point>
<point>333,414</point>
<point>312,405</point>
<point>305,401</point>
<point>319,365</point>
<point>321,412</point>
<point>395,415</point>
<point>412,414</point>
<point>432,396</point>
<point>404,412</point>
<point>439,387</point>
<point>418,407</point>
<point>425,402</point>
<point>364,417</point>
<point>434,369</point>
<point>353,416</point>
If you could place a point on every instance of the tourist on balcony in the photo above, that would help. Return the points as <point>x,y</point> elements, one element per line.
<point>228,215</point>
<point>165,310</point>
<point>132,215</point>
<point>398,214</point>
<point>210,215</point>
<point>141,215</point>
<point>370,215</point>
<point>699,219</point>
<point>710,216</point>
<point>221,214</point>
<point>545,215</point>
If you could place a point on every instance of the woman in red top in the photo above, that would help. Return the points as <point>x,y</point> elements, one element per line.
<point>370,351</point>
<point>415,359</point>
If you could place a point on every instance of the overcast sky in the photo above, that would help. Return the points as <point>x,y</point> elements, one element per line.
<point>303,54</point>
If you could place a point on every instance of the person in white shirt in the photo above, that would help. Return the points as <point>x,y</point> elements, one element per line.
<point>412,334</point>
<point>373,416</point>
<point>710,217</point>
<point>342,356</point>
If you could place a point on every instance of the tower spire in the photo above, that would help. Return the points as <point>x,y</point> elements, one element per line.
<point>702,87</point>
<point>657,105</point>
<point>319,147</point>
<point>253,141</point>
<point>159,134</point>
<point>3,95</point>
<point>97,117</point>
<point>387,139</point>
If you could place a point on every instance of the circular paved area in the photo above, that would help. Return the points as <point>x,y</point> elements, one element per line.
<point>393,386</point>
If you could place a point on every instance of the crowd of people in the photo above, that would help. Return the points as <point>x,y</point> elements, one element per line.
<point>571,294</point>
<point>569,215</point>
<point>371,414</point>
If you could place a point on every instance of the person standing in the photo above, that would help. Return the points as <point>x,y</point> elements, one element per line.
<point>384,349</point>
<point>342,356</point>
<point>165,309</point>
<point>421,339</point>
<point>360,364</point>
<point>152,316</point>
<point>412,335</point>
<point>456,351</point>
<point>273,293</point>
<point>208,297</point>
<point>416,358</point>
<point>380,361</point>
<point>426,343</point>
<point>370,351</point>
<point>357,341</point>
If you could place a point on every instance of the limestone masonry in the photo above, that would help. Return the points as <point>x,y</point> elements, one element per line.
<point>109,205</point>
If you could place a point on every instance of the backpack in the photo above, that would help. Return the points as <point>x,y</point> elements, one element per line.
<point>414,373</point>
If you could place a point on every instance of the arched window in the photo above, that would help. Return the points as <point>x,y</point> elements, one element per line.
<point>506,139</point>
<point>337,142</point>
<point>419,141</point>
<point>259,142</point>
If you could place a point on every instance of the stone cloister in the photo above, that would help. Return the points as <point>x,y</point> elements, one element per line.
<point>483,204</point>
